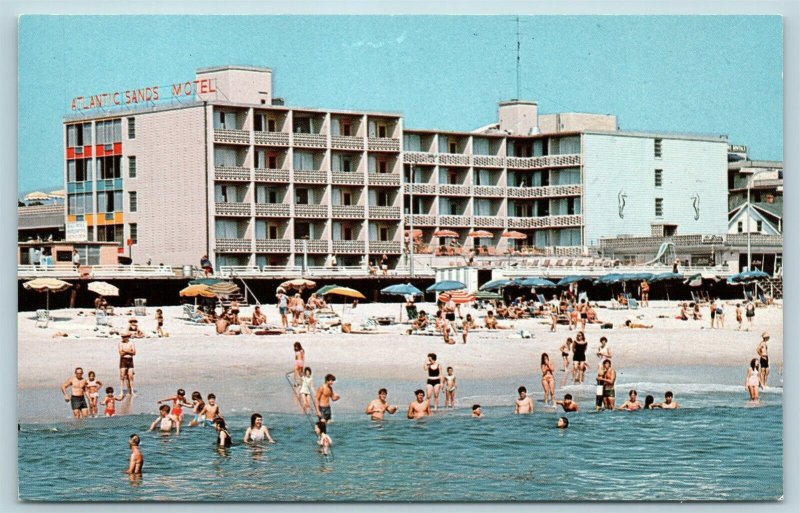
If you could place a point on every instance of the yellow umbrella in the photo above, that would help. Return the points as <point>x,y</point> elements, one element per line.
<point>103,288</point>
<point>298,284</point>
<point>224,288</point>
<point>36,196</point>
<point>347,292</point>
<point>197,291</point>
<point>47,285</point>
<point>59,194</point>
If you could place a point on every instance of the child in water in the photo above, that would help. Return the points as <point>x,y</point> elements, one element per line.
<point>109,401</point>
<point>450,387</point>
<point>306,389</point>
<point>137,460</point>
<point>324,441</point>
<point>178,400</point>
<point>197,408</point>
<point>92,387</point>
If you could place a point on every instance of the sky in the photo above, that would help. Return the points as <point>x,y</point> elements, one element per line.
<point>697,74</point>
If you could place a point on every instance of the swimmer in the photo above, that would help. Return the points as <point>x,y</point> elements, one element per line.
<point>324,441</point>
<point>567,404</point>
<point>523,404</point>
<point>137,460</point>
<point>420,407</point>
<point>649,401</point>
<point>632,403</point>
<point>761,351</point>
<point>377,407</point>
<point>197,408</point>
<point>608,378</point>
<point>166,421</point>
<point>548,381</point>
<point>476,410</point>
<point>450,387</point>
<point>109,401</point>
<point>223,436</point>
<point>668,403</point>
<point>210,410</point>
<point>257,432</point>
<point>178,401</point>
<point>92,387</point>
<point>562,423</point>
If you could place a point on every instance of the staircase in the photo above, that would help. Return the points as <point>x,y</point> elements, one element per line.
<point>776,287</point>
<point>238,297</point>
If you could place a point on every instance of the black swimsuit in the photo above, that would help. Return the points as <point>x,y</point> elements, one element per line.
<point>433,376</point>
<point>579,352</point>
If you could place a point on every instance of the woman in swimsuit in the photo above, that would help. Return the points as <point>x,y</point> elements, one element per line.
<point>223,437</point>
<point>751,380</point>
<point>306,389</point>
<point>257,432</point>
<point>579,357</point>
<point>178,401</point>
<point>450,388</point>
<point>197,407</point>
<point>548,381</point>
<point>434,379</point>
<point>92,387</point>
<point>299,363</point>
<point>565,348</point>
<point>749,312</point>
<point>467,325</point>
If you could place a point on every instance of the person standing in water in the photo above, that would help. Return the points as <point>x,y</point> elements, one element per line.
<point>608,378</point>
<point>751,381</point>
<point>77,400</point>
<point>434,383</point>
<point>257,432</point>
<point>579,357</point>
<point>523,404</point>
<point>137,459</point>
<point>323,398</point>
<point>548,380</point>
<point>763,363</point>
<point>127,350</point>
<point>377,407</point>
<point>420,407</point>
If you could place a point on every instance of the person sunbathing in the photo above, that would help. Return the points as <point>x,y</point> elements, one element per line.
<point>630,324</point>
<point>682,313</point>
<point>502,311</point>
<point>421,322</point>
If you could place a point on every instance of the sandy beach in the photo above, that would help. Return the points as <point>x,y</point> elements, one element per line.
<point>194,355</point>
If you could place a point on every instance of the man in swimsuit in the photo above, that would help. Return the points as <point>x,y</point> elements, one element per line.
<point>126,352</point>
<point>523,404</point>
<point>632,403</point>
<point>607,379</point>
<point>668,403</point>
<point>323,398</point>
<point>568,404</point>
<point>166,421</point>
<point>283,307</point>
<point>137,460</point>
<point>377,407</point>
<point>419,408</point>
<point>77,400</point>
<point>761,350</point>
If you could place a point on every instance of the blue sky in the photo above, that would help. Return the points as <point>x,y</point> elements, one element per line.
<point>699,74</point>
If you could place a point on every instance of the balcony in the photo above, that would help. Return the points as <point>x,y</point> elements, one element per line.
<point>383,144</point>
<point>488,222</point>
<point>419,157</point>
<point>347,212</point>
<point>545,192</point>
<point>231,174</point>
<point>376,212</point>
<point>455,190</point>
<point>451,159</point>
<point>272,210</point>
<point>273,246</point>
<point>348,246</point>
<point>272,175</point>
<point>543,162</point>
<point>311,246</point>
<point>234,246</point>
<point>420,188</point>
<point>343,142</point>
<point>232,209</point>
<point>389,179</point>
<point>341,178</point>
<point>222,135</point>
<point>304,176</point>
<point>311,211</point>
<point>310,140</point>
<point>390,247</point>
<point>545,221</point>
<point>487,161</point>
<point>455,221</point>
<point>489,191</point>
<point>271,138</point>
<point>420,220</point>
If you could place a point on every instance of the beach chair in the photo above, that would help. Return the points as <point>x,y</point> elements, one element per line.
<point>582,296</point>
<point>632,304</point>
<point>188,310</point>
<point>369,325</point>
<point>541,299</point>
<point>412,312</point>
<point>101,318</point>
<point>42,318</point>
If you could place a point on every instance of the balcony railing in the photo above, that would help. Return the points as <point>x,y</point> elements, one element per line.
<point>452,159</point>
<point>271,138</point>
<point>455,190</point>
<point>489,191</point>
<point>305,176</point>
<point>455,221</point>
<point>488,161</point>
<point>489,221</point>
<point>232,209</point>
<point>545,192</point>
<point>420,220</point>
<point>272,209</point>
<point>390,247</point>
<point>234,246</point>
<point>543,162</point>
<point>347,211</point>
<point>223,135</point>
<point>232,174</point>
<point>344,142</point>
<point>377,212</point>
<point>310,140</point>
<point>419,157</point>
<point>311,246</point>
<point>383,179</point>
<point>315,211</point>
<point>545,221</point>
<point>274,246</point>
<point>272,175</point>
<point>341,178</point>
<point>420,188</point>
<point>383,144</point>
<point>348,246</point>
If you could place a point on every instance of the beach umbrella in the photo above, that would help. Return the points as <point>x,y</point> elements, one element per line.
<point>481,234</point>
<point>345,292</point>
<point>485,295</point>
<point>298,284</point>
<point>666,277</point>
<point>47,285</point>
<point>460,297</point>
<point>401,289</point>
<point>572,279</point>
<point>513,235</point>
<point>535,282</point>
<point>59,194</point>
<point>748,276</point>
<point>416,233</point>
<point>197,291</point>
<point>206,281</point>
<point>446,285</point>
<point>608,279</point>
<point>324,290</point>
<point>103,288</point>
<point>36,196</point>
<point>224,288</point>
<point>696,280</point>
<point>445,234</point>
<point>497,284</point>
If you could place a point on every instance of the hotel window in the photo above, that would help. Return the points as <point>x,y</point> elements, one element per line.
<point>273,232</point>
<point>347,164</point>
<point>659,177</point>
<point>347,232</point>
<point>134,233</point>
<point>346,128</point>
<point>759,226</point>
<point>382,131</point>
<point>452,147</point>
<point>383,166</point>
<point>259,122</point>
<point>347,198</point>
<point>383,199</point>
<point>131,167</point>
<point>133,203</point>
<point>131,128</point>
<point>383,233</point>
<point>659,207</point>
<point>272,161</point>
<point>657,148</point>
<point>272,125</point>
<point>739,227</point>
<point>412,142</point>
<point>301,196</point>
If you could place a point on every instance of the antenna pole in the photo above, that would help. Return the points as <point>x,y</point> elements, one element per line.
<point>518,46</point>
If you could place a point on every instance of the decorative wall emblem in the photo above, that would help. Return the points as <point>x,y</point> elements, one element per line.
<point>696,206</point>
<point>621,201</point>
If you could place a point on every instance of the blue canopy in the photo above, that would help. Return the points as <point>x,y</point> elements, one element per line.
<point>401,289</point>
<point>535,282</point>
<point>748,276</point>
<point>638,276</point>
<point>496,284</point>
<point>444,286</point>
<point>572,279</point>
<point>666,277</point>
<point>608,279</point>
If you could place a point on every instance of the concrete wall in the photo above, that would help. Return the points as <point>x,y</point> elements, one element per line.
<point>518,117</point>
<point>238,85</point>
<point>170,184</point>
<point>617,164</point>
<point>576,122</point>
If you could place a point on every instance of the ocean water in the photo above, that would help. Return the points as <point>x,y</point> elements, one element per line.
<point>716,447</point>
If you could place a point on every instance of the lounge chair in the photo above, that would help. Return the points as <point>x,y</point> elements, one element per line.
<point>632,304</point>
<point>42,318</point>
<point>101,318</point>
<point>412,313</point>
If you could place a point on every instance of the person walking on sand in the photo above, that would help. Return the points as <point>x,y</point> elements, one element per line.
<point>377,407</point>
<point>420,407</point>
<point>548,380</point>
<point>644,287</point>
<point>92,392</point>
<point>739,316</point>
<point>77,399</point>
<point>323,398</point>
<point>712,310</point>
<point>283,307</point>
<point>126,350</point>
<point>762,352</point>
<point>136,461</point>
<point>523,404</point>
<point>752,379</point>
<point>565,348</point>
<point>750,313</point>
<point>434,383</point>
<point>579,357</point>
<point>160,323</point>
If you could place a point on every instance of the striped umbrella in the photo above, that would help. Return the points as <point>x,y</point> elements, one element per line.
<point>445,234</point>
<point>513,235</point>
<point>224,288</point>
<point>459,297</point>
<point>47,285</point>
<point>103,288</point>
<point>481,234</point>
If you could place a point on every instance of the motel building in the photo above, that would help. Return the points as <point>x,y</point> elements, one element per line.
<point>218,166</point>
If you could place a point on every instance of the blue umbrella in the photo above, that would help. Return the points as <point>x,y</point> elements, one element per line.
<point>638,276</point>
<point>666,277</point>
<point>535,282</point>
<point>572,279</point>
<point>401,289</point>
<point>444,286</point>
<point>496,284</point>
<point>748,276</point>
<point>609,279</point>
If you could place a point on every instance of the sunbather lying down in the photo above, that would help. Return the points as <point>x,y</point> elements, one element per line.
<point>631,324</point>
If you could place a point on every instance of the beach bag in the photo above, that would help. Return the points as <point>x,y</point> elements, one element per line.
<point>606,326</point>
<point>346,327</point>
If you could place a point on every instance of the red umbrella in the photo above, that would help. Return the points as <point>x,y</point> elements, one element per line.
<point>481,234</point>
<point>416,233</point>
<point>514,235</point>
<point>460,297</point>
<point>447,234</point>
